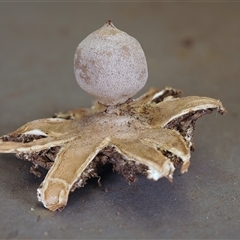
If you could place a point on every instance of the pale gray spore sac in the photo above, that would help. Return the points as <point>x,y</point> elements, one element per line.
<point>110,65</point>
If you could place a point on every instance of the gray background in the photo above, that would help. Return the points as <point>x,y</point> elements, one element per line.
<point>191,46</point>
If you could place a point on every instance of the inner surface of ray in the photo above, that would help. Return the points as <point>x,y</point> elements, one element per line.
<point>167,111</point>
<point>52,127</point>
<point>143,153</point>
<point>67,168</point>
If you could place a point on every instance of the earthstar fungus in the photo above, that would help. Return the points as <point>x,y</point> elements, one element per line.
<point>151,135</point>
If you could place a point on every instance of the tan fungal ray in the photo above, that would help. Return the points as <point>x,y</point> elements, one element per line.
<point>35,146</point>
<point>53,127</point>
<point>166,93</point>
<point>52,130</point>
<point>153,95</point>
<point>73,114</point>
<point>145,98</point>
<point>170,141</point>
<point>136,150</point>
<point>66,170</point>
<point>167,111</point>
<point>81,112</point>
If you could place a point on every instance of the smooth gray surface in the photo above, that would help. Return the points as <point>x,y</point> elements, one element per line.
<point>191,46</point>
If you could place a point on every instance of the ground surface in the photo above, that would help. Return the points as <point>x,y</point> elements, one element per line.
<point>191,46</point>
